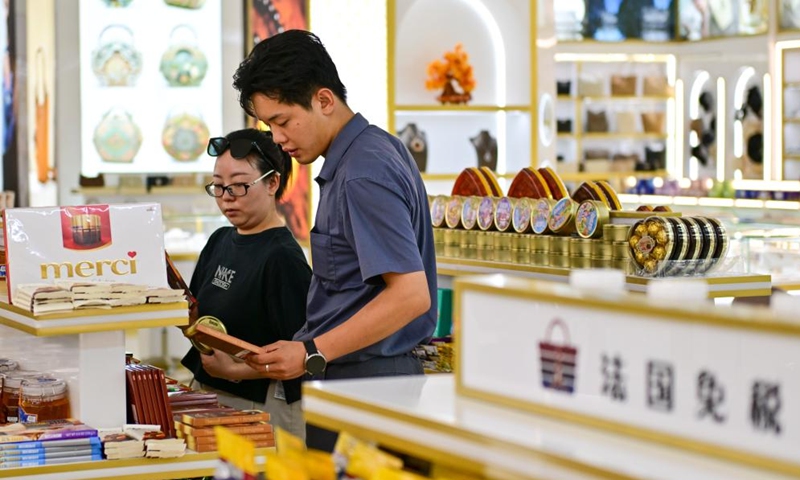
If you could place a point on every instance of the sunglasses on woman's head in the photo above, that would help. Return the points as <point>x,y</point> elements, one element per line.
<point>240,148</point>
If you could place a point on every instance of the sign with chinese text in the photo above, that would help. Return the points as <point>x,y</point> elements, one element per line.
<point>723,378</point>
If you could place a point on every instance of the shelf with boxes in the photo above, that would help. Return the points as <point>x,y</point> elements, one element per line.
<point>614,112</point>
<point>788,102</point>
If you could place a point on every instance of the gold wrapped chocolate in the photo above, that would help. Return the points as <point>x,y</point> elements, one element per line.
<point>650,266</point>
<point>639,256</point>
<point>653,228</point>
<point>662,238</point>
<point>640,229</point>
<point>659,253</point>
<point>634,240</point>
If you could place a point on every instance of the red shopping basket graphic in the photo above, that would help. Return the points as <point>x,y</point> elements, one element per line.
<point>558,361</point>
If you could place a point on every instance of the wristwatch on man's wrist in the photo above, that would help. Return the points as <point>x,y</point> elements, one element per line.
<point>315,361</point>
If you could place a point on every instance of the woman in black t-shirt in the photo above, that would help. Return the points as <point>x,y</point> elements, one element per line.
<point>253,276</point>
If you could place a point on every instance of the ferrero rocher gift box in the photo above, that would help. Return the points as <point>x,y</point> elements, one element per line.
<point>88,243</point>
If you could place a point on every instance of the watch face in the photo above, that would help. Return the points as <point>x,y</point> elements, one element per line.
<point>315,364</point>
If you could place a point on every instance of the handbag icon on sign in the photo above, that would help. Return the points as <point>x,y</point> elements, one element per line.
<point>558,360</point>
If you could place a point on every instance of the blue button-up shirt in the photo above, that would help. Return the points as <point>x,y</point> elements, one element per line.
<point>372,219</point>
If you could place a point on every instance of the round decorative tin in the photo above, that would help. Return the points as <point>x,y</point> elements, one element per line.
<point>469,212</point>
<point>521,217</point>
<point>117,138</point>
<point>540,259</point>
<point>185,136</point>
<point>619,250</point>
<point>486,213</point>
<point>484,240</point>
<point>438,209</point>
<point>450,237</point>
<point>580,247</point>
<point>469,239</point>
<point>540,243</point>
<point>502,241</point>
<point>502,214</point>
<point>651,242</point>
<point>602,249</point>
<point>504,256</point>
<point>592,215</point>
<point>116,62</point>
<point>453,212</point>
<point>560,261</point>
<point>183,64</point>
<point>559,245</point>
<point>580,262</point>
<point>519,242</point>
<point>438,235</point>
<point>522,257</point>
<point>562,216</point>
<point>540,216</point>
<point>721,244</point>
<point>615,233</point>
<point>208,321</point>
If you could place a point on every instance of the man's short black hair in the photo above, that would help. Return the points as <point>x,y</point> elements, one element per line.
<point>288,67</point>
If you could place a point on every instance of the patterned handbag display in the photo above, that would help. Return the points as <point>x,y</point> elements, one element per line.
<point>116,62</point>
<point>183,64</point>
<point>185,136</point>
<point>117,138</point>
<point>558,360</point>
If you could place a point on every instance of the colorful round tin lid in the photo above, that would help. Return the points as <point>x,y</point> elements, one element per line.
<point>438,209</point>
<point>502,214</point>
<point>562,214</point>
<point>469,212</point>
<point>453,212</point>
<point>590,218</point>
<point>521,217</point>
<point>486,213</point>
<point>540,216</point>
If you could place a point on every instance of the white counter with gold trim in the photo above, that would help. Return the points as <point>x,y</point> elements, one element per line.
<point>424,417</point>
<point>719,285</point>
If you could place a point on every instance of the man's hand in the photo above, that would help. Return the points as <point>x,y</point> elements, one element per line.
<point>220,365</point>
<point>282,360</point>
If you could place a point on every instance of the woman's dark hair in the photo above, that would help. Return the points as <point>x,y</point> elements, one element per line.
<point>289,67</point>
<point>277,159</point>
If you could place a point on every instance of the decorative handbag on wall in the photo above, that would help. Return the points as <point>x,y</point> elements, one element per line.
<point>416,142</point>
<point>590,86</point>
<point>185,136</point>
<point>564,126</point>
<point>117,138</point>
<point>656,86</point>
<point>623,85</point>
<point>563,87</point>
<point>655,157</point>
<point>116,62</point>
<point>624,162</point>
<point>183,64</point>
<point>596,122</point>
<point>653,122</point>
<point>42,133</point>
<point>626,122</point>
<point>190,4</point>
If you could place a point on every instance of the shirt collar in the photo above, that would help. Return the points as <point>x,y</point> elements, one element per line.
<point>339,146</point>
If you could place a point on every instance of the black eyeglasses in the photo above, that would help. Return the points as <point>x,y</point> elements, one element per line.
<point>240,148</point>
<point>234,189</point>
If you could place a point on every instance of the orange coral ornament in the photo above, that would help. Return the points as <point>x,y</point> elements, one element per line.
<point>455,67</point>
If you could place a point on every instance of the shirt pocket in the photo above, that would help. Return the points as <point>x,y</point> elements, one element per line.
<point>322,263</point>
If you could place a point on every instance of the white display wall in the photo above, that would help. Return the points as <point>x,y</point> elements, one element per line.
<point>150,100</point>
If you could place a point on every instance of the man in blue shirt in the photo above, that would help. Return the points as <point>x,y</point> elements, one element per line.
<point>373,291</point>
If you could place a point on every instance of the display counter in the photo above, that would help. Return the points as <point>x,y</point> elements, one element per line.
<point>719,285</point>
<point>424,417</point>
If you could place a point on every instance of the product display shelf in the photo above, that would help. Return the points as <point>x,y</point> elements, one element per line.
<point>425,417</point>
<point>461,108</point>
<point>190,465</point>
<point>686,201</point>
<point>719,285</point>
<point>583,176</point>
<point>140,190</point>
